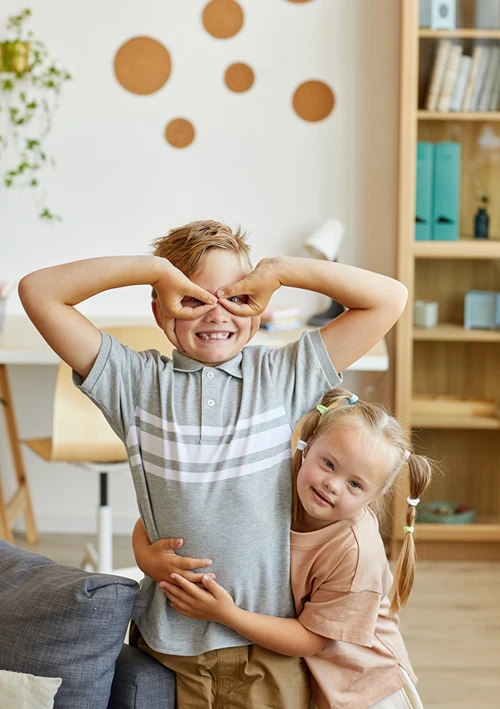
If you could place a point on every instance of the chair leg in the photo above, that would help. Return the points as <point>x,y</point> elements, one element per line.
<point>104,528</point>
<point>90,560</point>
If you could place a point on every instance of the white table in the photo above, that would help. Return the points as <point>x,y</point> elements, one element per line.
<point>21,344</point>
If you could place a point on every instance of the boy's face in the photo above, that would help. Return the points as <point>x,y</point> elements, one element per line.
<point>217,336</point>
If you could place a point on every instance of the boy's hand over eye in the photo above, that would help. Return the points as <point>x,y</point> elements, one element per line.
<point>251,295</point>
<point>179,297</point>
<point>208,602</point>
<point>160,560</point>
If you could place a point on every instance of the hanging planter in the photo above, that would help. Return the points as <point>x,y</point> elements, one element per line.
<point>14,57</point>
<point>30,86</point>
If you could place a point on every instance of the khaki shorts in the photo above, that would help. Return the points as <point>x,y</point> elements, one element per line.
<point>246,677</point>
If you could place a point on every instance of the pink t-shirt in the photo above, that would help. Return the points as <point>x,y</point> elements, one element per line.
<point>340,582</point>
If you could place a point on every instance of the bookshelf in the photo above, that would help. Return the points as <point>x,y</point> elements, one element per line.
<point>448,360</point>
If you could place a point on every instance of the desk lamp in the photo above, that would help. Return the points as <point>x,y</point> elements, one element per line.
<point>324,243</point>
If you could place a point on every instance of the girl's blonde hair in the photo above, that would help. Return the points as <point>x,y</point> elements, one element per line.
<point>385,431</point>
<point>187,247</point>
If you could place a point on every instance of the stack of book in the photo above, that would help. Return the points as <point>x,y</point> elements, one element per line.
<point>464,83</point>
<point>280,317</point>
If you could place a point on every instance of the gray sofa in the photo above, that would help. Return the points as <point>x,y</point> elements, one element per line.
<point>56,621</point>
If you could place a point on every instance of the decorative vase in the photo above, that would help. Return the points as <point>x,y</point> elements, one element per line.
<point>14,57</point>
<point>481,224</point>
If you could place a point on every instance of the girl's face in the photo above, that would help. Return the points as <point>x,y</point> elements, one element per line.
<point>341,472</point>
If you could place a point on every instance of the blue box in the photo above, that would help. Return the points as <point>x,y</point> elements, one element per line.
<point>482,310</point>
<point>423,202</point>
<point>446,192</point>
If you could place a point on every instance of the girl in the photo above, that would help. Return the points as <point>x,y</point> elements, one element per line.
<point>348,457</point>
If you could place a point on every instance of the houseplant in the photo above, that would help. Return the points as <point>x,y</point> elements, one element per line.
<point>30,86</point>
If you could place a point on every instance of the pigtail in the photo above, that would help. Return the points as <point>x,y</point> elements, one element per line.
<point>420,478</point>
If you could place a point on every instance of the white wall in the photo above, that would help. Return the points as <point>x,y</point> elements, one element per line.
<point>118,184</point>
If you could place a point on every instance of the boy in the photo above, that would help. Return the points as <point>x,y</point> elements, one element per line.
<point>208,432</point>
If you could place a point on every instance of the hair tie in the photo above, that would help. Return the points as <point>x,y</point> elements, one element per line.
<point>408,530</point>
<point>322,409</point>
<point>413,501</point>
<point>301,445</point>
<point>407,455</point>
<point>352,399</point>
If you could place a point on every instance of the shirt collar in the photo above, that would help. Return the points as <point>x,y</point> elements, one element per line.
<point>186,364</point>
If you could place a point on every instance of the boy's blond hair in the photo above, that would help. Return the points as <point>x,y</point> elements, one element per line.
<point>187,246</point>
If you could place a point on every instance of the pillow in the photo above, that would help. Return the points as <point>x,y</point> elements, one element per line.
<point>57,621</point>
<point>20,691</point>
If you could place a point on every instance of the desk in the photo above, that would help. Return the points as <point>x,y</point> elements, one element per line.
<point>21,344</point>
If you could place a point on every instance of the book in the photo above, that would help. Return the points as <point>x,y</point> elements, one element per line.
<point>495,96</point>
<point>460,83</point>
<point>479,78</point>
<point>437,75</point>
<point>476,59</point>
<point>489,80</point>
<point>278,312</point>
<point>450,77</point>
<point>274,326</point>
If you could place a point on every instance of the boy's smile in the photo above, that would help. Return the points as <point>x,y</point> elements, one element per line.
<point>217,336</point>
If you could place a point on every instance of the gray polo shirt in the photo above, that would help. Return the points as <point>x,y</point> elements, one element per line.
<point>209,450</point>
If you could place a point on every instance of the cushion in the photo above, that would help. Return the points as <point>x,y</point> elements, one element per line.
<point>21,691</point>
<point>58,621</point>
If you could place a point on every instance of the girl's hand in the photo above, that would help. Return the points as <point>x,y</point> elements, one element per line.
<point>160,560</point>
<point>251,295</point>
<point>210,602</point>
<point>178,297</point>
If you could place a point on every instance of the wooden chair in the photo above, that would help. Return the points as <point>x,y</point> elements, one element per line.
<point>82,436</point>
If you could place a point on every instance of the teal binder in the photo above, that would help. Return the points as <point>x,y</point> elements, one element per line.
<point>446,193</point>
<point>423,202</point>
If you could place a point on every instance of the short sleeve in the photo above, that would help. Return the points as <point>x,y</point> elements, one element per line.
<point>113,382</point>
<point>335,611</point>
<point>302,372</point>
<point>348,616</point>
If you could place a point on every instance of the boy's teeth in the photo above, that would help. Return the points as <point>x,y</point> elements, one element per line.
<point>214,335</point>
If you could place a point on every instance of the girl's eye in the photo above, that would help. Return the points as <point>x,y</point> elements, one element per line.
<point>354,485</point>
<point>329,464</point>
<point>234,299</point>
<point>188,300</point>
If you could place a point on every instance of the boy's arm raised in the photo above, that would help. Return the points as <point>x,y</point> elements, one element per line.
<point>50,294</point>
<point>374,301</point>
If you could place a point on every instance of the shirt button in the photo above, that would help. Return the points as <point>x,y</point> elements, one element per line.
<point>210,375</point>
<point>211,402</point>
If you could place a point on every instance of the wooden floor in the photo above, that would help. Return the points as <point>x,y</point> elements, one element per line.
<point>451,625</point>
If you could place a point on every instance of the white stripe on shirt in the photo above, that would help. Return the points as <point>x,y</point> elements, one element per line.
<point>210,477</point>
<point>172,427</point>
<point>193,453</point>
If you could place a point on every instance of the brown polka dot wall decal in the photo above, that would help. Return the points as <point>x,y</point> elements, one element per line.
<point>239,77</point>
<point>299,0</point>
<point>179,133</point>
<point>222,18</point>
<point>313,101</point>
<point>142,65</point>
